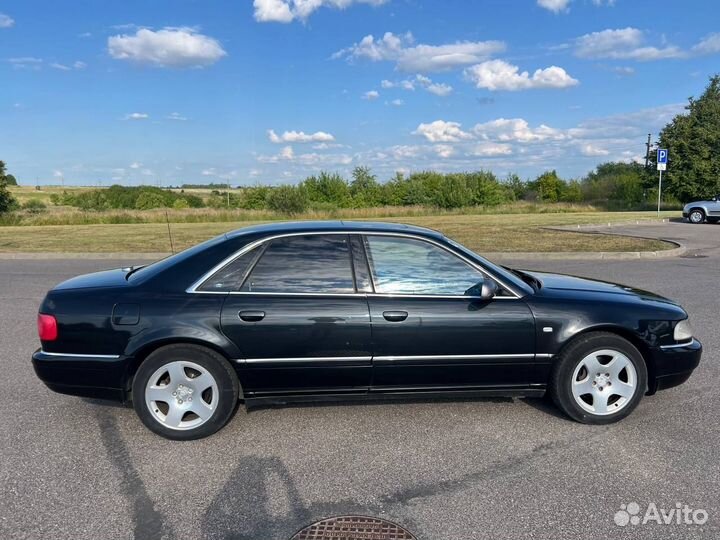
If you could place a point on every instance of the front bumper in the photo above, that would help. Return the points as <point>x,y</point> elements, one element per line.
<point>92,376</point>
<point>673,365</point>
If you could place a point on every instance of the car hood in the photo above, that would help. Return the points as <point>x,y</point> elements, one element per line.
<point>106,278</point>
<point>563,283</point>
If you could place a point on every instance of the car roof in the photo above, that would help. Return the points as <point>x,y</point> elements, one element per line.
<point>336,225</point>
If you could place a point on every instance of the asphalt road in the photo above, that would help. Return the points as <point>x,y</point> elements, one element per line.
<point>493,468</point>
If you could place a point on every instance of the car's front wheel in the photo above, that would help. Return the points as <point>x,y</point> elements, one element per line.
<point>598,379</point>
<point>696,216</point>
<point>185,392</point>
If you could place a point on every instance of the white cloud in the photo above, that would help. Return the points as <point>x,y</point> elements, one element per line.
<point>137,116</point>
<point>63,67</point>
<point>624,71</point>
<point>592,150</point>
<point>439,89</point>
<point>26,62</point>
<point>442,131</point>
<point>708,45</point>
<point>489,149</point>
<point>371,95</point>
<point>169,47</point>
<point>554,5</point>
<point>209,172</point>
<point>515,130</point>
<point>135,165</point>
<point>444,150</point>
<point>6,21</point>
<point>420,58</point>
<point>299,137</point>
<point>176,116</point>
<point>287,153</point>
<point>397,102</point>
<point>500,75</point>
<point>622,44</point>
<point>285,11</point>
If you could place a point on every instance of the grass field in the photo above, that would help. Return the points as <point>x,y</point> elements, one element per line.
<point>480,232</point>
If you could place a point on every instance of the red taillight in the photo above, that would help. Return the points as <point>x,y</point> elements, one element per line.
<point>47,327</point>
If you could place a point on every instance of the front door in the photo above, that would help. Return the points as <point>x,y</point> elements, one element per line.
<point>429,334</point>
<point>298,320</point>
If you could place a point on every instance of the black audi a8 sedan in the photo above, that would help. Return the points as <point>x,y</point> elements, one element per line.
<point>352,310</point>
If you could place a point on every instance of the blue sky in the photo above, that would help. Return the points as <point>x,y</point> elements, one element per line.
<point>174,91</point>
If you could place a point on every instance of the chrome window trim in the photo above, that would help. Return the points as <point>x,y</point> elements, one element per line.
<point>193,288</point>
<point>76,355</point>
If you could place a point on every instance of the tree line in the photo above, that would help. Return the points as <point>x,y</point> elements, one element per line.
<point>613,185</point>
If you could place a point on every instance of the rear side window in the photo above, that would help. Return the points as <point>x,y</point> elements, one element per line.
<point>409,266</point>
<point>303,264</point>
<point>231,276</point>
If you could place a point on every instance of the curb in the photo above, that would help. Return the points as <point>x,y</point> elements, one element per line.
<point>589,255</point>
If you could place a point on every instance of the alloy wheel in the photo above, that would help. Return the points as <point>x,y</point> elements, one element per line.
<point>181,395</point>
<point>604,382</point>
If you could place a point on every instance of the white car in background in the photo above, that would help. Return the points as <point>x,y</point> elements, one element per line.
<point>701,211</point>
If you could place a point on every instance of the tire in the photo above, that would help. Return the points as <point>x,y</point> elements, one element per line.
<point>696,216</point>
<point>587,364</point>
<point>168,380</point>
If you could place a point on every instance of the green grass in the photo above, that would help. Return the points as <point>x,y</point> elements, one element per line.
<point>520,232</point>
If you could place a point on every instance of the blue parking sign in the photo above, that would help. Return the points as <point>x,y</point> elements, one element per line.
<point>662,156</point>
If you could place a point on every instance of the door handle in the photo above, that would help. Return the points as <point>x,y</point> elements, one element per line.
<point>395,316</point>
<point>251,316</point>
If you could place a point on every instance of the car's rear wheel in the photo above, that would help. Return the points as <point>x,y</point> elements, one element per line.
<point>598,379</point>
<point>185,392</point>
<point>696,216</point>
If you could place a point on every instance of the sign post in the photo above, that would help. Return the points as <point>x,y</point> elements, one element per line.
<point>662,156</point>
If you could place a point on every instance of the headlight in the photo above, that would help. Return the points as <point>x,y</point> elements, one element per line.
<point>683,331</point>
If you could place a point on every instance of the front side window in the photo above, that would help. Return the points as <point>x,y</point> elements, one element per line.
<point>410,266</point>
<point>303,264</point>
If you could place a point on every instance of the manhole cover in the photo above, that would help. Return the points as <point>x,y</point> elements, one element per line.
<point>353,528</point>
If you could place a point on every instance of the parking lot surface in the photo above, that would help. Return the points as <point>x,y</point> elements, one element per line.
<point>486,468</point>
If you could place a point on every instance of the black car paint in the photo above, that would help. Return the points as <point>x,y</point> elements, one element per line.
<point>109,321</point>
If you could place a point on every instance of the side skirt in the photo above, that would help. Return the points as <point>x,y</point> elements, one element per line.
<point>395,395</point>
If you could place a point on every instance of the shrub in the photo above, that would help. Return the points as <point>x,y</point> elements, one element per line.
<point>180,204</point>
<point>34,206</point>
<point>148,200</point>
<point>287,200</point>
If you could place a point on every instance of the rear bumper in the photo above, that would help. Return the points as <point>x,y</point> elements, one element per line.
<point>673,365</point>
<point>92,376</point>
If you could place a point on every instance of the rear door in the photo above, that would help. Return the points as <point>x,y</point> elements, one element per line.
<point>298,319</point>
<point>428,334</point>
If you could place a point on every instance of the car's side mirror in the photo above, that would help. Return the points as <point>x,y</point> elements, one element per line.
<point>485,289</point>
